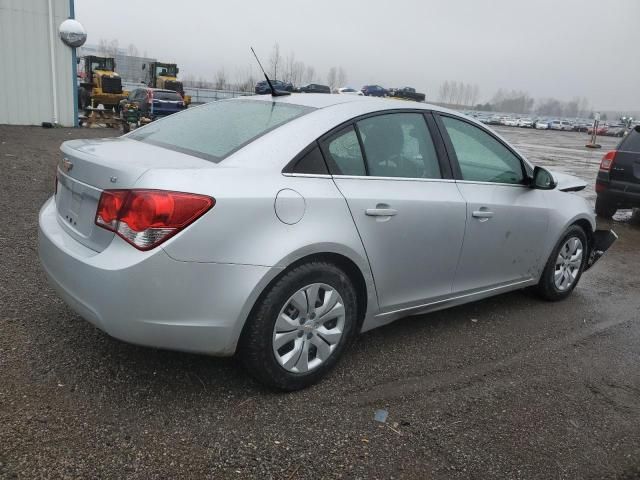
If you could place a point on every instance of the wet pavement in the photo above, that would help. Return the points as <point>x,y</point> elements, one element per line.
<point>511,387</point>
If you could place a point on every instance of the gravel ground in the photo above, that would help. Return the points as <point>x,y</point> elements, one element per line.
<point>510,387</point>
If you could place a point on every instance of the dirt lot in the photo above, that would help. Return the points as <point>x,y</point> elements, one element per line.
<point>511,387</point>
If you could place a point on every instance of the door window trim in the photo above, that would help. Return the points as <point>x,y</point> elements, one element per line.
<point>436,138</point>
<point>455,165</point>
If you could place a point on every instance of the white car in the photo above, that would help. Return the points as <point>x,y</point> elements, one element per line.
<point>525,122</point>
<point>511,122</point>
<point>350,91</point>
<point>542,125</point>
<point>560,125</point>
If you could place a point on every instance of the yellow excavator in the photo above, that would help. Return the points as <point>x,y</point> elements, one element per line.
<point>165,76</point>
<point>100,84</point>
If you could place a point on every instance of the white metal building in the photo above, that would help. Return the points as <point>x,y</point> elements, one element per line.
<point>37,70</point>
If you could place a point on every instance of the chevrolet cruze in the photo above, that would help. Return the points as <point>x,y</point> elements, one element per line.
<point>280,227</point>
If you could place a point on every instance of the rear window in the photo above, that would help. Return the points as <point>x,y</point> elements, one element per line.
<point>631,142</point>
<point>217,129</point>
<point>173,96</point>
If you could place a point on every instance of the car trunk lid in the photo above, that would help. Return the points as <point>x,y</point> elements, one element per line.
<point>88,167</point>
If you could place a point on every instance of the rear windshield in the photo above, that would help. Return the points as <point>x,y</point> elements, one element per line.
<point>631,142</point>
<point>173,96</point>
<point>217,129</point>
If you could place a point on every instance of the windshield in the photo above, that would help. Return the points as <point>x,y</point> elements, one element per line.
<point>165,95</point>
<point>102,64</point>
<point>166,70</point>
<point>217,129</point>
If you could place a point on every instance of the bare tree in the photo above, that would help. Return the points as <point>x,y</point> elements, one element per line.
<point>220,80</point>
<point>132,50</point>
<point>275,60</point>
<point>342,77</point>
<point>332,77</point>
<point>475,95</point>
<point>309,74</point>
<point>443,93</point>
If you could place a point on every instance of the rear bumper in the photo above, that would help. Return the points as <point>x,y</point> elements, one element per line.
<point>624,194</point>
<point>147,298</point>
<point>602,240</point>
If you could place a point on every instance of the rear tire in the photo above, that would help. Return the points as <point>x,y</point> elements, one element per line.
<point>295,333</point>
<point>604,208</point>
<point>565,265</point>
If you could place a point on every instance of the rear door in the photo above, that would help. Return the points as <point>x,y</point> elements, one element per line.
<point>406,207</point>
<point>506,220</point>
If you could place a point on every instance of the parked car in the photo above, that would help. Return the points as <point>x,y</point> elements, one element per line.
<point>245,226</point>
<point>616,130</point>
<point>541,124</point>
<point>618,180</point>
<point>349,91</point>
<point>560,125</point>
<point>510,122</point>
<point>262,87</point>
<point>153,102</point>
<point>582,126</point>
<point>314,88</point>
<point>407,92</point>
<point>374,91</point>
<point>495,120</point>
<point>600,130</point>
<point>525,122</point>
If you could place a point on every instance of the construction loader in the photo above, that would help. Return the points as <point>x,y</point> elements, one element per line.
<point>99,84</point>
<point>165,76</point>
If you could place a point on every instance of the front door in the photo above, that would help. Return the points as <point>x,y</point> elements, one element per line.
<point>506,220</point>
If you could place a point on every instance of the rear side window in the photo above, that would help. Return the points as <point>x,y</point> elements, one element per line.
<point>172,96</point>
<point>631,142</point>
<point>481,157</point>
<point>399,145</point>
<point>217,129</point>
<point>311,163</point>
<point>343,153</point>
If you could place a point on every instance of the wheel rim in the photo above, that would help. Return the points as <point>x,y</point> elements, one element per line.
<point>568,264</point>
<point>309,328</point>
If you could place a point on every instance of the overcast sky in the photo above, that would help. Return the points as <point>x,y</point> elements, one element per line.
<point>549,48</point>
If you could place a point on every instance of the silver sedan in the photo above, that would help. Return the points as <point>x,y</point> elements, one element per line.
<point>279,228</point>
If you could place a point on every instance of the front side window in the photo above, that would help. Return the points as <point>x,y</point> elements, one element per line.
<point>481,157</point>
<point>344,155</point>
<point>399,145</point>
<point>217,129</point>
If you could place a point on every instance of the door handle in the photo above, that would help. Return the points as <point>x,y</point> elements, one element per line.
<point>381,212</point>
<point>482,214</point>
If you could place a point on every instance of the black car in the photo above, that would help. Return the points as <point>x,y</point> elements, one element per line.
<point>374,91</point>
<point>314,88</point>
<point>618,181</point>
<point>154,102</point>
<point>262,87</point>
<point>408,93</point>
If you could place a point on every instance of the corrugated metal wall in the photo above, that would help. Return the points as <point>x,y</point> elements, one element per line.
<point>26,96</point>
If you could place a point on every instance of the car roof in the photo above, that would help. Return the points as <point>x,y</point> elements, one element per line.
<point>359,103</point>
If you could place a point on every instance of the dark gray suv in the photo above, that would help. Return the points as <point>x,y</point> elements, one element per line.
<point>618,181</point>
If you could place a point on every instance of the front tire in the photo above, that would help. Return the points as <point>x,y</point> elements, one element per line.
<point>604,208</point>
<point>300,327</point>
<point>565,265</point>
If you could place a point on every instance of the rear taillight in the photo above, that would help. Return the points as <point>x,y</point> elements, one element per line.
<point>607,160</point>
<point>146,218</point>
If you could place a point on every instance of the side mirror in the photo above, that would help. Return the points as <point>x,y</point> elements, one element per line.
<point>543,179</point>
